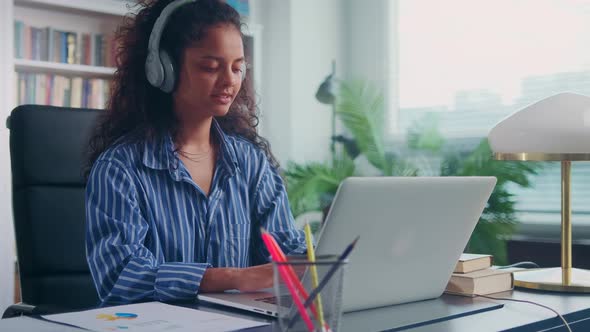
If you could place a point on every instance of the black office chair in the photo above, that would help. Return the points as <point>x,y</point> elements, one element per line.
<point>47,149</point>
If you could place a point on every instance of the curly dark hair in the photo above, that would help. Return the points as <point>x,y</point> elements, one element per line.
<point>136,110</point>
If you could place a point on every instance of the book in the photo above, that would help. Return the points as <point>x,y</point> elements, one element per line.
<point>472,262</point>
<point>71,40</point>
<point>241,6</point>
<point>480,282</point>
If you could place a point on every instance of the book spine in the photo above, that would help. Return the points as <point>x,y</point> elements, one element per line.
<point>56,46</point>
<point>107,50</point>
<point>26,85</point>
<point>21,38</point>
<point>44,48</point>
<point>63,47</point>
<point>27,43</point>
<point>40,89</point>
<point>71,47</point>
<point>38,43</point>
<point>85,93</point>
<point>85,49</point>
<point>92,93</point>
<point>34,45</point>
<point>49,88</point>
<point>92,50</point>
<point>98,50</point>
<point>76,92</point>
<point>50,44</point>
<point>17,40</point>
<point>78,52</point>
<point>54,92</point>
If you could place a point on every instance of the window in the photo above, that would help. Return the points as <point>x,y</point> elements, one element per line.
<point>469,63</point>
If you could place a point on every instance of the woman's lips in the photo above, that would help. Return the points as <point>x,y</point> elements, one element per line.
<point>222,98</point>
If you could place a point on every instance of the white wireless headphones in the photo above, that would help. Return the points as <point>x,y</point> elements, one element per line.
<point>159,66</point>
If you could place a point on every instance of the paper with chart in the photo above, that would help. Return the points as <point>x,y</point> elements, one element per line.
<point>152,316</point>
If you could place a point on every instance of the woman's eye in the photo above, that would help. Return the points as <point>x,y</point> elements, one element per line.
<point>209,69</point>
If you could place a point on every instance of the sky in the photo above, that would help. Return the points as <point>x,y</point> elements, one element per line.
<point>452,45</point>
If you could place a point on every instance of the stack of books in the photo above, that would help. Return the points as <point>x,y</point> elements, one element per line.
<point>474,276</point>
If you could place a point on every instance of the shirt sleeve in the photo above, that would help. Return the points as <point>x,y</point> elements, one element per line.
<point>123,269</point>
<point>273,213</point>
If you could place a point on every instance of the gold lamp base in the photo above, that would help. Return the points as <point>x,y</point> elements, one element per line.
<point>565,278</point>
<point>552,279</point>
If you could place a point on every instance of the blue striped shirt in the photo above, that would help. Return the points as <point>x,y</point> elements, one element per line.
<point>151,231</point>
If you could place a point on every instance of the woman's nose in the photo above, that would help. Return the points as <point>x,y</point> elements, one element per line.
<point>230,77</point>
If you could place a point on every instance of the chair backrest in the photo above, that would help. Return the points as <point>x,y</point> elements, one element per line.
<point>47,149</point>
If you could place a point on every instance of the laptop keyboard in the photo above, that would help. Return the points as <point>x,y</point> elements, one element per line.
<point>285,300</point>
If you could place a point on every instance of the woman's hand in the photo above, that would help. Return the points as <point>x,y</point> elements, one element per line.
<point>254,278</point>
<point>243,279</point>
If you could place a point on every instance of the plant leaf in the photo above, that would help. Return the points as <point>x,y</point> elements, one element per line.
<point>360,108</point>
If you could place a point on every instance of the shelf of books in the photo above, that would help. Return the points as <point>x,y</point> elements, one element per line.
<point>65,57</point>
<point>107,7</point>
<point>68,47</point>
<point>57,90</point>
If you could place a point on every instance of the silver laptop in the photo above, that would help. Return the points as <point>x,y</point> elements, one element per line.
<point>412,232</point>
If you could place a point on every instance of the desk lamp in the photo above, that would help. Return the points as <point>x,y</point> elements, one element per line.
<point>556,128</point>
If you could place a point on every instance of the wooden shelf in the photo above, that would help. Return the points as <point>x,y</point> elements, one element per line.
<point>36,66</point>
<point>104,7</point>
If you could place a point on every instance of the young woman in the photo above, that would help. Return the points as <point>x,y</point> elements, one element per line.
<point>179,181</point>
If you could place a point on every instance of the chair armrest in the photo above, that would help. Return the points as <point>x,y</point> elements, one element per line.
<point>19,309</point>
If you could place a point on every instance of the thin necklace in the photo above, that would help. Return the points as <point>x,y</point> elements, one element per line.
<point>202,156</point>
<point>195,154</point>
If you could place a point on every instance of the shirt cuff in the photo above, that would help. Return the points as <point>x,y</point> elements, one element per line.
<point>179,281</point>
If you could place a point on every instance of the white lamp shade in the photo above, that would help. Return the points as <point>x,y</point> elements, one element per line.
<point>557,124</point>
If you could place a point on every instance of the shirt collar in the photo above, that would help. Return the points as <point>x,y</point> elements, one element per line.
<point>159,153</point>
<point>227,149</point>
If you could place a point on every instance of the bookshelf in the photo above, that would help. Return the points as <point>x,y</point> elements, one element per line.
<point>62,50</point>
<point>23,65</point>
<point>79,16</point>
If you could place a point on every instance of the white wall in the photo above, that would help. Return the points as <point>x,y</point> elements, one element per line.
<point>6,104</point>
<point>315,39</point>
<point>371,32</point>
<point>300,39</point>
<point>275,86</point>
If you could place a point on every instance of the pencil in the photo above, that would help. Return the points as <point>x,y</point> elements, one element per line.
<point>288,281</point>
<point>294,276</point>
<point>314,272</point>
<point>327,277</point>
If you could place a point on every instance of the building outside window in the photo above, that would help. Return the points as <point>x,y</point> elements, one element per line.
<point>466,64</point>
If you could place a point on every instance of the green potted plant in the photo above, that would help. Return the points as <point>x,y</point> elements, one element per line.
<point>359,106</point>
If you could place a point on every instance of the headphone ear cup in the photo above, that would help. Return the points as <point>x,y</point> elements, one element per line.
<point>154,71</point>
<point>169,72</point>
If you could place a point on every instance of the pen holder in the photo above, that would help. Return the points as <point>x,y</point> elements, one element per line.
<point>327,302</point>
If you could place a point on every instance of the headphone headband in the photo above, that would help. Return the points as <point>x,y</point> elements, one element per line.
<point>158,29</point>
<point>154,69</point>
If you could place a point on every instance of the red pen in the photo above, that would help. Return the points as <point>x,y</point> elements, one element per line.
<point>293,275</point>
<point>267,238</point>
